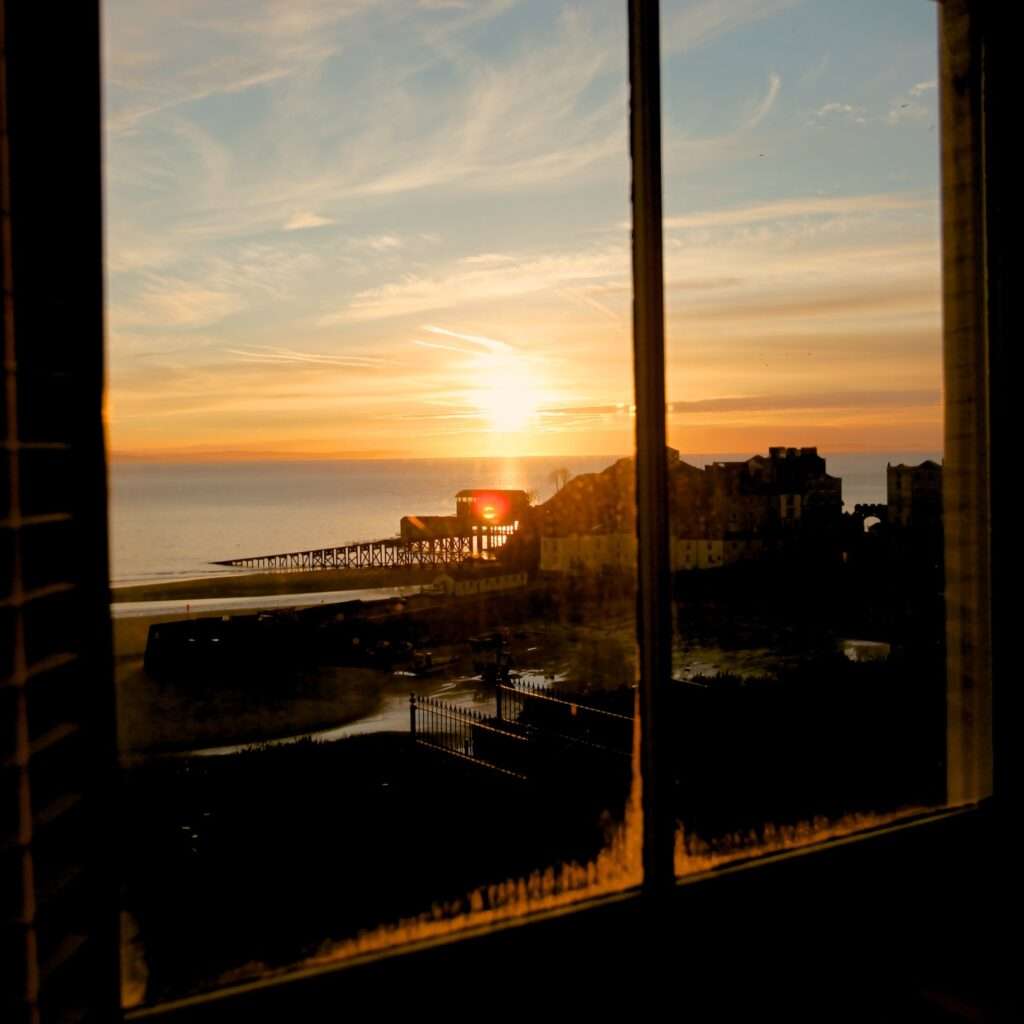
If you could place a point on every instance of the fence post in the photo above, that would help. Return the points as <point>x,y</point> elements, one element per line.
<point>412,715</point>
<point>497,699</point>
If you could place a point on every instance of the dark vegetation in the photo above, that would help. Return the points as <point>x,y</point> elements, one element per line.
<point>263,856</point>
<point>271,646</point>
<point>828,738</point>
<point>259,858</point>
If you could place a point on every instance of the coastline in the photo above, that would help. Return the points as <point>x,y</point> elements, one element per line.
<point>270,583</point>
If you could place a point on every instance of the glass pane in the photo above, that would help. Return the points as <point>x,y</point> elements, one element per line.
<point>372,509</point>
<point>803,296</point>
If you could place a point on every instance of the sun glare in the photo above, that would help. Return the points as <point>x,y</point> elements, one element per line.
<point>509,403</point>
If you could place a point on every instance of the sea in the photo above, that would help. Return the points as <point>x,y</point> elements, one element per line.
<point>173,520</point>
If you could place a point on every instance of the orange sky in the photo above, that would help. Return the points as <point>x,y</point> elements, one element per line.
<point>440,267</point>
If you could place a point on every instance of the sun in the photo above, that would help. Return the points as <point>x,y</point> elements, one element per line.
<point>509,403</point>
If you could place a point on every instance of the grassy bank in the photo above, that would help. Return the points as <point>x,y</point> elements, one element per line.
<point>249,862</point>
<point>155,717</point>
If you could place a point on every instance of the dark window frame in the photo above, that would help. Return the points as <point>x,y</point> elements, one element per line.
<point>918,866</point>
<point>887,915</point>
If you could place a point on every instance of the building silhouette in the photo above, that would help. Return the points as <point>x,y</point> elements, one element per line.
<point>914,495</point>
<point>726,513</point>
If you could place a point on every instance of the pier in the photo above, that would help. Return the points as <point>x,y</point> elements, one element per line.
<point>393,552</point>
<point>484,520</point>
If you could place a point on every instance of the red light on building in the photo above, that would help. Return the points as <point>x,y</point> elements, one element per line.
<point>492,508</point>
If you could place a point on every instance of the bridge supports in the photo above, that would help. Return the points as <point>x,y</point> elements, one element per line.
<point>431,553</point>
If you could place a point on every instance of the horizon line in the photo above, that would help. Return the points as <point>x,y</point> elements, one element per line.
<point>232,455</point>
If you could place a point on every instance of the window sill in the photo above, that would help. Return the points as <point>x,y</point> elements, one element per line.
<point>883,915</point>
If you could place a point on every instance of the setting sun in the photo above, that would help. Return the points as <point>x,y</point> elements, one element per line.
<point>510,402</point>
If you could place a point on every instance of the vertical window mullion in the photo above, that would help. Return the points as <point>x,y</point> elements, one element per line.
<point>654,620</point>
<point>967,413</point>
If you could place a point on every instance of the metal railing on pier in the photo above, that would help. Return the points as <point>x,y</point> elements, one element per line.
<point>392,552</point>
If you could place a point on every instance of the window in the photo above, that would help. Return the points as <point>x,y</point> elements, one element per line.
<point>804,356</point>
<point>53,925</point>
<point>459,694</point>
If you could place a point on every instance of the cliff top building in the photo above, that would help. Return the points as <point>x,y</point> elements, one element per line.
<point>726,512</point>
<point>914,494</point>
<point>789,486</point>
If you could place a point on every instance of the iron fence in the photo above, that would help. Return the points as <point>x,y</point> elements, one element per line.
<point>468,734</point>
<point>555,716</point>
<point>536,733</point>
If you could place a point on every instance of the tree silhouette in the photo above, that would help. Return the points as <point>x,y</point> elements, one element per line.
<point>560,477</point>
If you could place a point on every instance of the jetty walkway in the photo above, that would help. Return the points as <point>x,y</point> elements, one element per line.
<point>393,552</point>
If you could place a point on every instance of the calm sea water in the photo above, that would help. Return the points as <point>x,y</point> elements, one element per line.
<point>171,520</point>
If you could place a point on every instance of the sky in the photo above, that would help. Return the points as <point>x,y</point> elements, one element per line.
<point>346,228</point>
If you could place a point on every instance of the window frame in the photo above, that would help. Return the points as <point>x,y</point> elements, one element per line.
<point>899,900</point>
<point>908,865</point>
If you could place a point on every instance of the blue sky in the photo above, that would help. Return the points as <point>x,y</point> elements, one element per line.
<point>401,228</point>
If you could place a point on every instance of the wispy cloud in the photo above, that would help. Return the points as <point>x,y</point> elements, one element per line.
<point>491,344</point>
<point>808,206</point>
<point>301,221</point>
<point>699,22</point>
<point>329,218</point>
<point>779,402</point>
<point>174,303</point>
<point>531,117</point>
<point>838,108</point>
<point>911,106</point>
<point>901,399</point>
<point>907,107</point>
<point>588,298</point>
<point>155,64</point>
<point>735,132</point>
<point>823,302</point>
<point>461,15</point>
<point>287,355</point>
<point>701,284</point>
<point>492,281</point>
<point>443,347</point>
<point>847,112</point>
<point>384,243</point>
<point>763,108</point>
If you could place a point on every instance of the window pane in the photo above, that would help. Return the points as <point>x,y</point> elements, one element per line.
<point>803,296</point>
<point>370,353</point>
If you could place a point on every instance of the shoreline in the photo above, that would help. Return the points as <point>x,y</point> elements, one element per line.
<point>312,581</point>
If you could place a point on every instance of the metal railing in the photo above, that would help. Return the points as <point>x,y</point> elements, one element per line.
<point>468,734</point>
<point>534,731</point>
<point>558,716</point>
<point>391,552</point>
